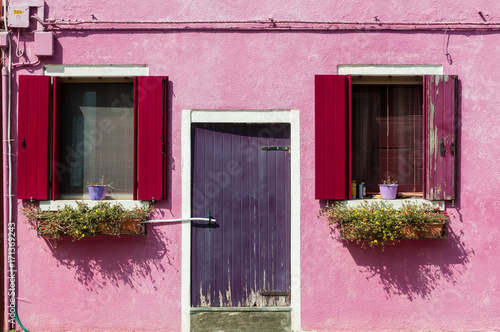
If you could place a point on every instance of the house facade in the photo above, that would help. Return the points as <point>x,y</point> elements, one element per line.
<point>239,121</point>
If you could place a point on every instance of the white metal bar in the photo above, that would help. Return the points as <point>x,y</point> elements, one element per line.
<point>177,220</point>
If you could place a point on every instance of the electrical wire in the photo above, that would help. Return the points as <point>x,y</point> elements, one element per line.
<point>264,25</point>
<point>19,54</point>
<point>445,46</point>
<point>18,321</point>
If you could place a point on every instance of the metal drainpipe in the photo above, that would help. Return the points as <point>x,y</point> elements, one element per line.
<point>6,196</point>
<point>8,226</point>
<point>4,157</point>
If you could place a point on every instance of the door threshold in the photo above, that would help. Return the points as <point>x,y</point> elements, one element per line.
<point>240,309</point>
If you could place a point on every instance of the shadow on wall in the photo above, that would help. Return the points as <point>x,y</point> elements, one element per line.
<point>414,268</point>
<point>104,261</point>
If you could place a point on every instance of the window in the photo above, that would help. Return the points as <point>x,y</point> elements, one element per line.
<point>387,135</point>
<point>71,132</point>
<point>96,138</point>
<point>371,131</point>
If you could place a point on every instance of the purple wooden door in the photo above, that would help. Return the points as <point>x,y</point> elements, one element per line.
<point>241,174</point>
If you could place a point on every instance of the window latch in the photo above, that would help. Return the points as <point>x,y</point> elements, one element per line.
<point>442,149</point>
<point>24,143</point>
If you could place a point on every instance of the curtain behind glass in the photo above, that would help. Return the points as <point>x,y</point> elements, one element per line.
<point>387,135</point>
<point>97,133</point>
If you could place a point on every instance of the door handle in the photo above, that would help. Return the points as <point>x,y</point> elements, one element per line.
<point>23,144</point>
<point>210,220</point>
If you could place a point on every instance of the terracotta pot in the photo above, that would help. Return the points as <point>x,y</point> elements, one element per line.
<point>429,231</point>
<point>128,227</point>
<point>346,232</point>
<point>433,230</point>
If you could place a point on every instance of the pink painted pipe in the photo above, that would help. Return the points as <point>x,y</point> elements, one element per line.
<point>5,110</point>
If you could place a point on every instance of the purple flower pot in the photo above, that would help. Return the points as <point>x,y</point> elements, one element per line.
<point>97,193</point>
<point>388,191</point>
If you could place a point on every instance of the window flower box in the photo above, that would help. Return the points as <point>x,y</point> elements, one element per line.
<point>373,224</point>
<point>433,230</point>
<point>83,220</point>
<point>127,227</point>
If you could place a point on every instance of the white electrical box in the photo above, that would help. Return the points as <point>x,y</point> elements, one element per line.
<point>4,39</point>
<point>44,44</point>
<point>18,17</point>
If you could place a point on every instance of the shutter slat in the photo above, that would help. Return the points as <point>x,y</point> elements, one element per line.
<point>440,139</point>
<point>33,129</point>
<point>150,127</point>
<point>332,112</point>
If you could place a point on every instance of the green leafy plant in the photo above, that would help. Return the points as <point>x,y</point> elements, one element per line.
<point>100,183</point>
<point>83,220</point>
<point>377,223</point>
<point>388,181</point>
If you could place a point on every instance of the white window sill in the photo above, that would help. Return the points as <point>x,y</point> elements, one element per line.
<point>55,205</point>
<point>396,203</point>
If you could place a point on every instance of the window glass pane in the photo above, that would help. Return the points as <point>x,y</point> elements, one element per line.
<point>387,135</point>
<point>96,138</point>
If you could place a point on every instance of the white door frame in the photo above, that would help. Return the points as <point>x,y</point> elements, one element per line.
<point>246,116</point>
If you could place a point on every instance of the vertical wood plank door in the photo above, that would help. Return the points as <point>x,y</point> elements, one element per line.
<point>241,174</point>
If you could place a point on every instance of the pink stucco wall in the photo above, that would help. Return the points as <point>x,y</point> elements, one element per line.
<point>135,283</point>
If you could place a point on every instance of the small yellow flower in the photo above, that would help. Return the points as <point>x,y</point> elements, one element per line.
<point>83,235</point>
<point>84,227</point>
<point>375,241</point>
<point>381,209</point>
<point>76,232</point>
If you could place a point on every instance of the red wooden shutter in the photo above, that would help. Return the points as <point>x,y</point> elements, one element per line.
<point>150,94</point>
<point>439,134</point>
<point>333,116</point>
<point>33,137</point>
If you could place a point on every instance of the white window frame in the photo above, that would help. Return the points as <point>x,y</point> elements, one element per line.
<point>392,70</point>
<point>93,71</point>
